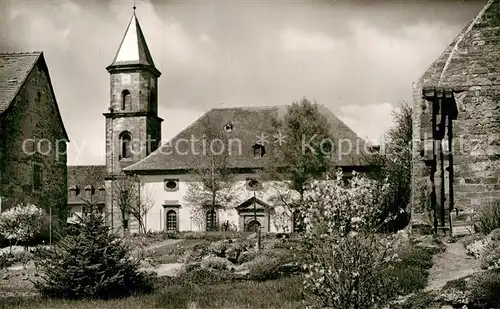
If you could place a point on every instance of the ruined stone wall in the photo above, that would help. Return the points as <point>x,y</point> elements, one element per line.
<point>470,68</point>
<point>477,146</point>
<point>422,143</point>
<point>32,121</point>
<point>476,152</point>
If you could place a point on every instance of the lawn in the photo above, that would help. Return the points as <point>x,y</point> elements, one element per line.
<point>284,293</point>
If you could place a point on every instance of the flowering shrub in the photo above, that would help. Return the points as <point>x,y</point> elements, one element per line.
<point>476,246</point>
<point>331,207</point>
<point>21,223</point>
<point>345,258</point>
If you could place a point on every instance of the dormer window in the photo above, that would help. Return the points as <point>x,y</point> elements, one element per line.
<point>228,127</point>
<point>258,150</point>
<point>74,191</point>
<point>89,190</point>
<point>101,190</point>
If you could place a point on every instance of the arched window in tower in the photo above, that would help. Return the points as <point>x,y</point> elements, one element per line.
<point>126,99</point>
<point>126,144</point>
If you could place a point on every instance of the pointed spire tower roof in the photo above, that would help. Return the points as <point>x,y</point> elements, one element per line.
<point>133,52</point>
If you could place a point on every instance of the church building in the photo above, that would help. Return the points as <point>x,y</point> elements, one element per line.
<point>164,173</point>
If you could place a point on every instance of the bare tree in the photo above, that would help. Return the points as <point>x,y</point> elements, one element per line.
<point>213,182</point>
<point>132,200</point>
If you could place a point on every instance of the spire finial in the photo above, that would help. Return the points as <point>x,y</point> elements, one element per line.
<point>134,7</point>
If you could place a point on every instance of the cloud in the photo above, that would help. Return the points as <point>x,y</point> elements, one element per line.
<point>294,40</point>
<point>370,121</point>
<point>346,56</point>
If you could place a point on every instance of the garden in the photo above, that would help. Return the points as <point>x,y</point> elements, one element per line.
<point>339,261</point>
<point>355,249</point>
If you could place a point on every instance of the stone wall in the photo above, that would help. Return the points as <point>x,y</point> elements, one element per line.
<point>32,123</point>
<point>140,118</point>
<point>468,68</point>
<point>477,148</point>
<point>420,172</point>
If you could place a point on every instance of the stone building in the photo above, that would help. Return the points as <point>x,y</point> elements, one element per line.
<point>456,149</point>
<point>32,135</point>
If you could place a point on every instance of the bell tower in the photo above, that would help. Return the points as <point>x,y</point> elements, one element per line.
<point>133,128</point>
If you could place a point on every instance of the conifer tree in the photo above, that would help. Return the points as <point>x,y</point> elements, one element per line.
<point>91,263</point>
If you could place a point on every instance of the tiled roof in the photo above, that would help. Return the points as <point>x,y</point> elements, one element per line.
<point>247,124</point>
<point>133,47</point>
<point>472,54</point>
<point>14,69</point>
<point>82,176</point>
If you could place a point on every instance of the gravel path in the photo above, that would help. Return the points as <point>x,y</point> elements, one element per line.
<point>451,264</point>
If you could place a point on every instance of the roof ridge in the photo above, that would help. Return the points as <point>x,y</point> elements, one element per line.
<point>33,53</point>
<point>250,107</point>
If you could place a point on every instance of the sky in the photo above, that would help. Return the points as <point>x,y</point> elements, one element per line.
<point>359,58</point>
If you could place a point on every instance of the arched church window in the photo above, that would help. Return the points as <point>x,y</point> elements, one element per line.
<point>171,221</point>
<point>211,220</point>
<point>126,145</point>
<point>126,99</point>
